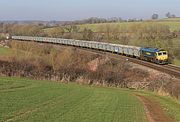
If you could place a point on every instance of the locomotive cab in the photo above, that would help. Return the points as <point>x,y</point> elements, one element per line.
<point>162,57</point>
<point>8,37</point>
<point>155,55</point>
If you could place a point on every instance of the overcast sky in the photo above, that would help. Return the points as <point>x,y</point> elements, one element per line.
<point>80,9</point>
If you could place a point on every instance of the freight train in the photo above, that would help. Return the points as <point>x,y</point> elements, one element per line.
<point>154,55</point>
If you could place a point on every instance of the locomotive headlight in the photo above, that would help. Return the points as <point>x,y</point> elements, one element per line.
<point>7,37</point>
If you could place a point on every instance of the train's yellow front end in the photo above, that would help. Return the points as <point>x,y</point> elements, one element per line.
<point>162,57</point>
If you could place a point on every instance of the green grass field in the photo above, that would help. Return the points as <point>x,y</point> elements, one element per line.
<point>173,25</point>
<point>30,100</point>
<point>171,19</point>
<point>170,105</point>
<point>5,51</point>
<point>176,62</point>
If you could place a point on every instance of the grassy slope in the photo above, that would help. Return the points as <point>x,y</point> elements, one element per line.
<point>170,105</point>
<point>176,62</point>
<point>5,51</point>
<point>176,45</point>
<point>95,27</point>
<point>174,25</point>
<point>171,19</point>
<point>29,100</point>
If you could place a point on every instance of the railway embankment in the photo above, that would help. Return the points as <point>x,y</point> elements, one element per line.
<point>69,64</point>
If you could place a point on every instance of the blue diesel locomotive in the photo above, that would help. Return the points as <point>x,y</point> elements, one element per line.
<point>155,55</point>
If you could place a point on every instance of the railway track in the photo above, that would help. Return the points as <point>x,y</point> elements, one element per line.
<point>172,70</point>
<point>173,67</point>
<point>169,69</point>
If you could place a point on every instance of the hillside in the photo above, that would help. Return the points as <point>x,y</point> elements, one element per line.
<point>171,19</point>
<point>30,100</point>
<point>61,99</point>
<point>172,24</point>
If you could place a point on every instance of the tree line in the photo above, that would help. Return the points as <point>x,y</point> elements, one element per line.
<point>168,15</point>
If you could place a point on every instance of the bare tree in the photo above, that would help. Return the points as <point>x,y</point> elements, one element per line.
<point>71,28</point>
<point>87,34</point>
<point>169,15</point>
<point>155,16</point>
